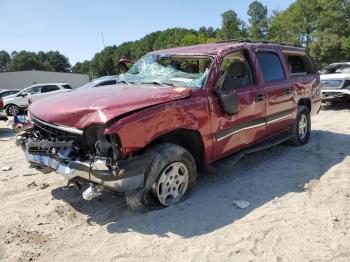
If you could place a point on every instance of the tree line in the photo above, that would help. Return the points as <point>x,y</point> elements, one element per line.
<point>321,26</point>
<point>24,60</point>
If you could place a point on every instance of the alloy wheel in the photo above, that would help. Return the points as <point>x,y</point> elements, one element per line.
<point>172,183</point>
<point>303,126</point>
<point>13,110</point>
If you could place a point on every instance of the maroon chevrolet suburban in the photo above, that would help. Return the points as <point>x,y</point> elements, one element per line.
<point>172,112</point>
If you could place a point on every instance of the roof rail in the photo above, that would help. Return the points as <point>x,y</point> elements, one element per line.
<point>257,42</point>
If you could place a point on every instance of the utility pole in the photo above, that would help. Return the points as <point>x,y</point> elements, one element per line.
<point>103,40</point>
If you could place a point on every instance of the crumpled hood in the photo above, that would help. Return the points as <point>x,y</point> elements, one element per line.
<point>83,108</point>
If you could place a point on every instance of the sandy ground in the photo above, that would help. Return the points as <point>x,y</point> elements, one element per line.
<point>299,196</point>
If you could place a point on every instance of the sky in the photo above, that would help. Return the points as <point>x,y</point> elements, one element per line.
<point>75,27</point>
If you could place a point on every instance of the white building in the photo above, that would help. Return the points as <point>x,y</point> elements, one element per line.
<point>22,79</point>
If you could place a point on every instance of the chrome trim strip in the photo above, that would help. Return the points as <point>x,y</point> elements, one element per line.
<point>240,130</point>
<point>278,119</point>
<point>63,128</point>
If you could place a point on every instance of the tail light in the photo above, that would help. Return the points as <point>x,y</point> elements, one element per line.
<point>1,104</point>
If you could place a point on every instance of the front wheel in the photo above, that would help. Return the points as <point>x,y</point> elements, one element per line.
<point>301,128</point>
<point>168,181</point>
<point>12,110</point>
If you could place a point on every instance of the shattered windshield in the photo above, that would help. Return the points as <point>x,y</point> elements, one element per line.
<point>178,71</point>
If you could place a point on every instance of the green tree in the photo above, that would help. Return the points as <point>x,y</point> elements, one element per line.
<point>231,26</point>
<point>297,23</point>
<point>258,21</point>
<point>58,62</point>
<point>104,63</point>
<point>334,17</point>
<point>330,48</point>
<point>4,61</point>
<point>82,67</point>
<point>25,61</point>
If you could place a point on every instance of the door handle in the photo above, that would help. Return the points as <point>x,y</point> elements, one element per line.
<point>287,91</point>
<point>259,97</point>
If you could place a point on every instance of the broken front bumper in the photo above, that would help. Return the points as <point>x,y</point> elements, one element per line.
<point>333,93</point>
<point>132,176</point>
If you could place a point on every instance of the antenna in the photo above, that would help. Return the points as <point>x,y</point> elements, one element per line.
<point>103,40</point>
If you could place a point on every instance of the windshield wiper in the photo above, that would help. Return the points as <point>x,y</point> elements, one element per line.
<point>124,82</point>
<point>157,83</point>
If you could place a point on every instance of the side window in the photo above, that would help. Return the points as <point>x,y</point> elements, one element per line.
<point>270,66</point>
<point>106,83</point>
<point>35,90</point>
<point>235,71</point>
<point>66,86</point>
<point>299,65</point>
<point>46,89</point>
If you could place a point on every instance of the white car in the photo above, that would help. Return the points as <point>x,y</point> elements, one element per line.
<point>102,81</point>
<point>335,86</point>
<point>18,102</point>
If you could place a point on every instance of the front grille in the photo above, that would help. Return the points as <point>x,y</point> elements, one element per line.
<point>50,131</point>
<point>331,84</point>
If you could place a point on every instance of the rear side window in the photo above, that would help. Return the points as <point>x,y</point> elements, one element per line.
<point>46,89</point>
<point>299,65</point>
<point>270,66</point>
<point>67,87</point>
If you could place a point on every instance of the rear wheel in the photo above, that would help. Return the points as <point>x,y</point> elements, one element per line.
<point>302,127</point>
<point>12,110</point>
<point>169,180</point>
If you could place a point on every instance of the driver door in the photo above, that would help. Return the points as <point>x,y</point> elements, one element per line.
<point>236,131</point>
<point>24,98</point>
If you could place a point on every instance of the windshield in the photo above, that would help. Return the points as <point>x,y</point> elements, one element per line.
<point>178,71</point>
<point>336,68</point>
<point>25,90</point>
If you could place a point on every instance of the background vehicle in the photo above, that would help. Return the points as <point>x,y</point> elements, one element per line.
<point>13,104</point>
<point>335,68</point>
<point>5,92</point>
<point>101,81</point>
<point>178,110</point>
<point>2,116</point>
<point>335,82</point>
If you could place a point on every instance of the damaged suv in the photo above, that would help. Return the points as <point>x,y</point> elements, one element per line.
<point>173,112</point>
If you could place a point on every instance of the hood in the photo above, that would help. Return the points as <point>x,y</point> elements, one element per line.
<point>335,76</point>
<point>83,108</point>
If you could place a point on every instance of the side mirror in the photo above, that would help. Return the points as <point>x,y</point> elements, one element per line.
<point>229,102</point>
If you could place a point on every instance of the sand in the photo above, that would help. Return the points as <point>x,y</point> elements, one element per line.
<point>299,209</point>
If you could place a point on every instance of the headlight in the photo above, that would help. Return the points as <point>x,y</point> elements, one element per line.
<point>346,84</point>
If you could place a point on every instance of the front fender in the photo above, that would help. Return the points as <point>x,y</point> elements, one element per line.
<point>141,128</point>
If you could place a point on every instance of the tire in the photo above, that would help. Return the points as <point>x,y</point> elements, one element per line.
<point>302,122</point>
<point>12,110</point>
<point>169,179</point>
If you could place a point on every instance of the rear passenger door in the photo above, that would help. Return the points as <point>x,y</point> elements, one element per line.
<point>278,90</point>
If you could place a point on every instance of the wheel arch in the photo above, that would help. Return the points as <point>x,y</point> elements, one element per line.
<point>305,102</point>
<point>191,140</point>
